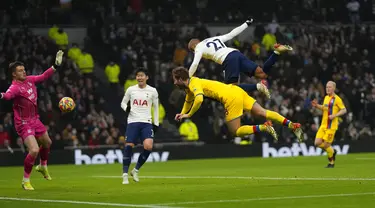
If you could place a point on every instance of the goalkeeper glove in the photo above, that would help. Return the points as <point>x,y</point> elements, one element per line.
<point>249,21</point>
<point>58,60</point>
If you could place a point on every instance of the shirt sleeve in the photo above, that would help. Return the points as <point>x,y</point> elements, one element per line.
<point>197,58</point>
<point>189,99</point>
<point>236,31</point>
<point>195,87</point>
<point>11,93</point>
<point>125,99</point>
<point>340,104</point>
<point>43,77</point>
<point>155,102</point>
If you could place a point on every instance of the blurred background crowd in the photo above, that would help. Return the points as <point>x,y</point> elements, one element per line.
<point>124,35</point>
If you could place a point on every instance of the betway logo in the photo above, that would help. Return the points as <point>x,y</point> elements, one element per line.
<point>300,149</point>
<point>115,155</point>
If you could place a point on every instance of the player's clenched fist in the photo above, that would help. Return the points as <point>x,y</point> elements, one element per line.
<point>180,116</point>
<point>314,103</point>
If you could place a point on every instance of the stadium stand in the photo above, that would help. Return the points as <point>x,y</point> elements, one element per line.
<point>343,53</point>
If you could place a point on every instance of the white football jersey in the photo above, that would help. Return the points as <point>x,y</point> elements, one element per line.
<point>214,48</point>
<point>141,100</point>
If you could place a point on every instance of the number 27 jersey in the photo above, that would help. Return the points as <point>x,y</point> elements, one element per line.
<point>214,49</point>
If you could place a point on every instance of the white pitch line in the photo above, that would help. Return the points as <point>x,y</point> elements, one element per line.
<point>248,178</point>
<point>83,202</point>
<point>267,198</point>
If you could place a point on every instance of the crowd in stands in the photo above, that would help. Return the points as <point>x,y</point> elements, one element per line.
<point>180,11</point>
<point>340,53</point>
<point>88,124</point>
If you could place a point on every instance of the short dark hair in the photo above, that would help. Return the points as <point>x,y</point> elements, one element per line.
<point>180,73</point>
<point>14,65</point>
<point>141,69</point>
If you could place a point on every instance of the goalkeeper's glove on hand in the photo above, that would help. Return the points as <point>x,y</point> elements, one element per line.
<point>58,60</point>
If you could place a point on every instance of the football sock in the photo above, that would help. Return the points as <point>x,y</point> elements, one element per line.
<point>43,155</point>
<point>142,158</point>
<point>28,166</point>
<point>330,151</point>
<point>273,116</point>
<point>269,63</point>
<point>247,130</point>
<point>128,152</point>
<point>248,87</point>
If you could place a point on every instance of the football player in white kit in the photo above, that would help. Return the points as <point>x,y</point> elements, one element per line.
<point>139,129</point>
<point>233,61</point>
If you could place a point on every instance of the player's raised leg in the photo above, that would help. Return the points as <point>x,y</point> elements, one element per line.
<point>258,110</point>
<point>261,87</point>
<point>236,129</point>
<point>44,150</point>
<point>32,146</point>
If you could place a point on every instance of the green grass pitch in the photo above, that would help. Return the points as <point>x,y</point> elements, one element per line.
<point>247,182</point>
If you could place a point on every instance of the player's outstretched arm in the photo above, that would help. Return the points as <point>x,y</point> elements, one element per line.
<point>198,100</point>
<point>194,66</point>
<point>186,107</point>
<point>236,31</point>
<point>49,72</point>
<point>195,106</point>
<point>11,93</point>
<point>125,99</point>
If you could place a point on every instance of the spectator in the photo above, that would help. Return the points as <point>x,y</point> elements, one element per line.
<point>74,52</point>
<point>85,63</point>
<point>61,39</point>
<point>112,71</point>
<point>189,131</point>
<point>353,7</point>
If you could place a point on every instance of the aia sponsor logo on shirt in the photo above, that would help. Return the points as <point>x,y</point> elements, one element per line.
<point>140,102</point>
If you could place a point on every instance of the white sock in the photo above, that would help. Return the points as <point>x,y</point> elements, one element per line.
<point>124,174</point>
<point>26,179</point>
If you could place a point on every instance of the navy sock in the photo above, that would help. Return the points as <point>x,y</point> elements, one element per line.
<point>248,87</point>
<point>270,62</point>
<point>142,158</point>
<point>127,157</point>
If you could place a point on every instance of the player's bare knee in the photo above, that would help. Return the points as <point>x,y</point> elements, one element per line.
<point>148,144</point>
<point>34,151</point>
<point>260,112</point>
<point>317,142</point>
<point>47,142</point>
<point>326,145</point>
